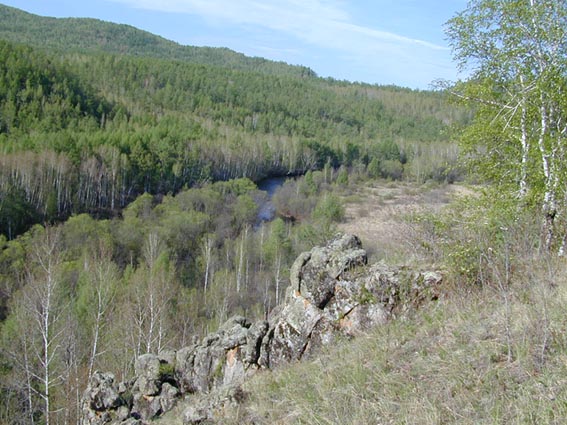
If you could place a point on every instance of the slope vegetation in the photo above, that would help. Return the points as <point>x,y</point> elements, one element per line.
<point>92,35</point>
<point>87,125</point>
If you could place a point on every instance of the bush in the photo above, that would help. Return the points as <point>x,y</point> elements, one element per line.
<point>329,209</point>
<point>392,169</point>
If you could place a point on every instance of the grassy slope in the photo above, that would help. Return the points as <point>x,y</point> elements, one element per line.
<point>475,356</point>
<point>447,364</point>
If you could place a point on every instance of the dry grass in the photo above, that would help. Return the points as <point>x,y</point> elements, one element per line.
<point>487,353</point>
<point>376,212</point>
<point>447,364</point>
<point>490,354</point>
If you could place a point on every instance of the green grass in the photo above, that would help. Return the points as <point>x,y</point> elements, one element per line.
<point>446,364</point>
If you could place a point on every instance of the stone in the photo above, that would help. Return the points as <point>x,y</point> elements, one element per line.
<point>102,392</point>
<point>195,415</point>
<point>314,274</point>
<point>147,369</point>
<point>332,294</point>
<point>122,413</point>
<point>100,399</point>
<point>168,397</point>
<point>131,421</point>
<point>167,356</point>
<point>254,338</point>
<point>145,407</point>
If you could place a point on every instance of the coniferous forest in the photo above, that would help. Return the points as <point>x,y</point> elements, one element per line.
<point>128,197</point>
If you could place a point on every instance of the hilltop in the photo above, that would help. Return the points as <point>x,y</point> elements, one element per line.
<point>92,35</point>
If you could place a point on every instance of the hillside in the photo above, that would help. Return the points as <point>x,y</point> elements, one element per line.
<point>85,128</point>
<point>91,35</point>
<point>131,239</point>
<point>128,205</point>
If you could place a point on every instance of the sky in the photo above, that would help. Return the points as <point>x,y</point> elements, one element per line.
<point>399,42</point>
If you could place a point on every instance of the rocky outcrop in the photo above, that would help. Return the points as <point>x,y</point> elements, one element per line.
<point>332,294</point>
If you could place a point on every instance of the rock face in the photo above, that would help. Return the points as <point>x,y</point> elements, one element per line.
<point>332,294</point>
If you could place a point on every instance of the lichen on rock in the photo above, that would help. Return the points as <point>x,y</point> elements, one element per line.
<point>332,293</point>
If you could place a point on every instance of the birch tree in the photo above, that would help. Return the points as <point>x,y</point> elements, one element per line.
<point>96,301</point>
<point>151,295</point>
<point>516,54</point>
<point>39,332</point>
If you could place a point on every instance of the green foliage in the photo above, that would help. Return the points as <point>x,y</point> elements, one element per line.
<point>88,132</point>
<point>38,94</point>
<point>278,242</point>
<point>342,177</point>
<point>166,372</point>
<point>475,237</point>
<point>308,186</point>
<point>95,36</point>
<point>16,213</point>
<point>516,56</point>
<point>329,209</point>
<point>391,169</point>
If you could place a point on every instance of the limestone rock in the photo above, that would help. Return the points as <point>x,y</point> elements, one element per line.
<point>147,369</point>
<point>168,396</point>
<point>314,274</point>
<point>194,415</point>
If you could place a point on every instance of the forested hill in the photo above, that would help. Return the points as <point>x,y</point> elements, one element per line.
<point>85,130</point>
<point>91,35</point>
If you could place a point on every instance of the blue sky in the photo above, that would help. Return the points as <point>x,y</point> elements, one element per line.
<point>375,41</point>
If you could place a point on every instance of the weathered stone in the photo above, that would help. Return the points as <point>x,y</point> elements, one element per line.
<point>234,332</point>
<point>295,274</point>
<point>146,407</point>
<point>167,356</point>
<point>102,392</point>
<point>184,360</point>
<point>168,397</point>
<point>92,417</point>
<point>290,334</point>
<point>315,274</point>
<point>147,369</point>
<point>195,415</point>
<point>234,370</point>
<point>131,421</point>
<point>327,299</point>
<point>254,340</point>
<point>122,413</point>
<point>100,399</point>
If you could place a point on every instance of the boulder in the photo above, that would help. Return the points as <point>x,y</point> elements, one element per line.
<point>147,370</point>
<point>195,415</point>
<point>100,399</point>
<point>314,274</point>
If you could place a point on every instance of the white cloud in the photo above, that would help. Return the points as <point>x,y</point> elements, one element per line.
<point>323,24</point>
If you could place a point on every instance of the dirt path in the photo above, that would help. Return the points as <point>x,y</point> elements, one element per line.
<point>375,213</point>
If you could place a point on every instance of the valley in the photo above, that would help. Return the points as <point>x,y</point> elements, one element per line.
<point>192,235</point>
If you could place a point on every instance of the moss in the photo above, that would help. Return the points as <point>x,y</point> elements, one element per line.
<point>166,371</point>
<point>366,297</point>
<point>218,372</point>
<point>126,398</point>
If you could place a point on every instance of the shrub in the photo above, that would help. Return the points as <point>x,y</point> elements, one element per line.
<point>329,209</point>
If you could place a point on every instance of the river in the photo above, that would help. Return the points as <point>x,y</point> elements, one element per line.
<point>267,211</point>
